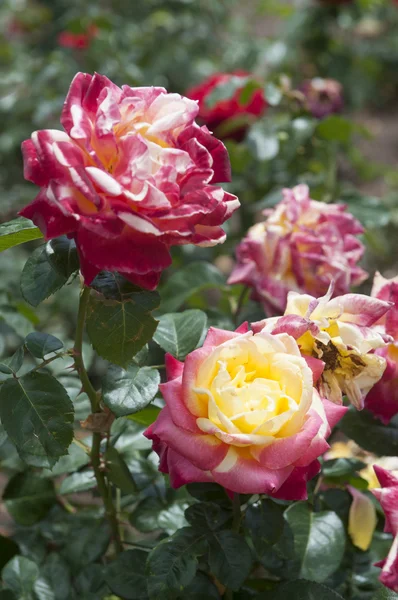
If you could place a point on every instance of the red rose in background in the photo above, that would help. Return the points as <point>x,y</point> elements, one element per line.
<point>214,114</point>
<point>78,41</point>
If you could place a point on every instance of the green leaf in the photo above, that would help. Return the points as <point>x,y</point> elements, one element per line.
<point>319,541</point>
<point>14,363</point>
<point>39,278</point>
<point>224,90</point>
<point>273,94</point>
<point>126,575</point>
<point>90,583</point>
<point>18,231</point>
<point>180,333</point>
<point>341,467</point>
<point>191,279</point>
<point>304,590</point>
<point>210,492</point>
<point>118,472</point>
<point>370,433</point>
<point>127,391</point>
<point>73,461</point>
<point>119,326</point>
<point>206,515</point>
<point>7,595</point>
<point>54,580</point>
<point>28,497</point>
<point>87,542</point>
<point>265,521</point>
<point>172,564</point>
<point>247,92</point>
<point>8,549</point>
<point>335,128</point>
<point>264,145</point>
<point>78,482</point>
<point>385,594</point>
<point>230,558</point>
<point>147,416</point>
<point>201,588</point>
<point>155,513</point>
<point>37,414</point>
<point>20,575</point>
<point>62,255</point>
<point>39,344</point>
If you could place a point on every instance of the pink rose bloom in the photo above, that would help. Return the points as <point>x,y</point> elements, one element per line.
<point>382,400</point>
<point>302,246</point>
<point>131,175</point>
<point>242,411</point>
<point>338,332</point>
<point>387,495</point>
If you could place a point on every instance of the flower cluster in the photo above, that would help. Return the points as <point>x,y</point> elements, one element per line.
<point>382,399</point>
<point>303,246</point>
<point>131,175</point>
<point>387,495</point>
<point>231,112</point>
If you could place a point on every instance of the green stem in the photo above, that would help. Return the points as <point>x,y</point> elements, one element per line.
<point>237,516</point>
<point>103,488</point>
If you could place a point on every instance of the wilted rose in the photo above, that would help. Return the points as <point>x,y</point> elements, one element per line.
<point>243,411</point>
<point>322,97</point>
<point>220,103</point>
<point>303,245</point>
<point>339,332</point>
<point>132,175</point>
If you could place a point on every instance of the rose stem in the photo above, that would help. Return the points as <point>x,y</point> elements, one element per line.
<point>95,407</point>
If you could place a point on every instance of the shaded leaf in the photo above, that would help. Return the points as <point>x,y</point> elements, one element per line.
<point>18,231</point>
<point>172,564</point>
<point>264,145</point>
<point>54,581</point>
<point>118,472</point>
<point>180,333</point>
<point>87,542</point>
<point>191,279</point>
<point>127,391</point>
<point>119,328</point>
<point>39,278</point>
<point>78,482</point>
<point>37,414</point>
<point>304,590</point>
<point>230,558</point>
<point>126,575</point>
<point>8,549</point>
<point>20,575</point>
<point>335,128</point>
<point>39,344</point>
<point>14,363</point>
<point>201,588</point>
<point>265,522</point>
<point>207,515</point>
<point>370,433</point>
<point>28,497</point>
<point>62,255</point>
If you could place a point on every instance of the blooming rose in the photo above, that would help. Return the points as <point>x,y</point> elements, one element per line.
<point>339,333</point>
<point>230,110</point>
<point>382,399</point>
<point>322,97</point>
<point>387,495</point>
<point>78,41</point>
<point>132,175</point>
<point>303,245</point>
<point>243,411</point>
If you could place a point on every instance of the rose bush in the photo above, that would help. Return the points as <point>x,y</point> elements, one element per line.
<point>303,245</point>
<point>131,175</point>
<point>243,411</point>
